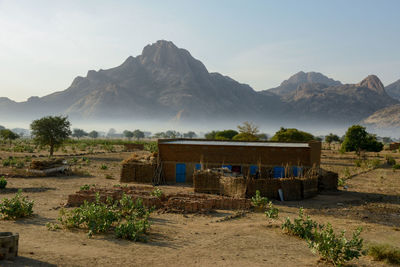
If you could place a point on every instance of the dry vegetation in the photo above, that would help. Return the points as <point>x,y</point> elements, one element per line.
<point>369,197</point>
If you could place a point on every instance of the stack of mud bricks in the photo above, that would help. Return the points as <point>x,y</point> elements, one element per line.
<point>8,245</point>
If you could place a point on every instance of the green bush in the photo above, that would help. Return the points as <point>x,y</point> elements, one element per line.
<point>16,207</point>
<point>258,201</point>
<point>373,164</point>
<point>357,163</point>
<point>336,248</point>
<point>384,252</point>
<point>3,183</point>
<point>134,230</point>
<point>390,160</point>
<point>86,187</point>
<point>103,167</point>
<point>302,227</point>
<point>396,167</point>
<point>127,218</point>
<point>157,192</point>
<point>272,212</point>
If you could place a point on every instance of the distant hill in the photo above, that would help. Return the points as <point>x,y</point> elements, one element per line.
<point>164,82</point>
<point>290,85</point>
<point>394,90</point>
<point>388,117</point>
<point>347,103</point>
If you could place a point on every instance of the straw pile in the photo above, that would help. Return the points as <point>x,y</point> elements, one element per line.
<point>206,181</point>
<point>327,180</point>
<point>46,164</point>
<point>267,187</point>
<point>291,188</point>
<point>233,186</point>
<point>138,168</point>
<point>309,186</point>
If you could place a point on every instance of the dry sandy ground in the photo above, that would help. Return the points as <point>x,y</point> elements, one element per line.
<point>372,201</point>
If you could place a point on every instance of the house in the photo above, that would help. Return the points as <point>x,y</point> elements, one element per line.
<point>181,157</point>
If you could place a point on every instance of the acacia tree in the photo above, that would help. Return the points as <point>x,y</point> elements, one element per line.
<point>9,135</point>
<point>332,138</point>
<point>128,134</point>
<point>189,134</point>
<point>78,133</point>
<point>291,135</point>
<point>358,139</point>
<point>51,131</point>
<point>248,131</point>
<point>138,134</point>
<point>93,134</point>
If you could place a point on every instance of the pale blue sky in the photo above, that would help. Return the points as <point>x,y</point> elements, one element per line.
<point>45,44</point>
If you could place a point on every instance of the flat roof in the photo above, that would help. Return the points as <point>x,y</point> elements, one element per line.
<point>228,143</point>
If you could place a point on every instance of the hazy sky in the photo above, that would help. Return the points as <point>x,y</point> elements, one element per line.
<point>45,44</point>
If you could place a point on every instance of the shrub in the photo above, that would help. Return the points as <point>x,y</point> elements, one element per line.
<point>157,192</point>
<point>396,167</point>
<point>103,167</point>
<point>108,176</point>
<point>86,187</point>
<point>97,217</point>
<point>341,182</point>
<point>258,201</point>
<point>384,252</point>
<point>336,248</point>
<point>3,183</point>
<point>134,230</point>
<point>357,163</point>
<point>16,207</point>
<point>302,227</point>
<point>373,164</point>
<point>127,218</point>
<point>272,212</point>
<point>390,160</point>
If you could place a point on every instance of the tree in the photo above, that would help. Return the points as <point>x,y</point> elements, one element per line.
<point>111,133</point>
<point>291,135</point>
<point>93,134</point>
<point>9,135</point>
<point>358,139</point>
<point>160,135</point>
<point>189,134</point>
<point>248,128</point>
<point>247,132</point>
<point>172,134</point>
<point>128,134</point>
<point>332,138</point>
<point>78,133</point>
<point>225,135</point>
<point>138,134</point>
<point>210,135</point>
<point>51,131</point>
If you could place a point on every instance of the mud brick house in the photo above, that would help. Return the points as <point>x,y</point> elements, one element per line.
<point>181,157</point>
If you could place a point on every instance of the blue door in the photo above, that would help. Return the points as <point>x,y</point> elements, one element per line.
<point>180,172</point>
<point>253,170</point>
<point>279,172</point>
<point>198,166</point>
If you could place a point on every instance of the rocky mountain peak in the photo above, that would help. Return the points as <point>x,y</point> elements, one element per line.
<point>372,82</point>
<point>310,77</point>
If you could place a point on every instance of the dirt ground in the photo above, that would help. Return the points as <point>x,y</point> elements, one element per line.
<point>371,199</point>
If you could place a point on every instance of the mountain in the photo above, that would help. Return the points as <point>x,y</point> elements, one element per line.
<point>290,85</point>
<point>347,103</point>
<point>164,82</point>
<point>388,117</point>
<point>394,90</point>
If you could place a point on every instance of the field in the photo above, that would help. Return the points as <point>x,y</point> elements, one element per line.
<point>369,196</point>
